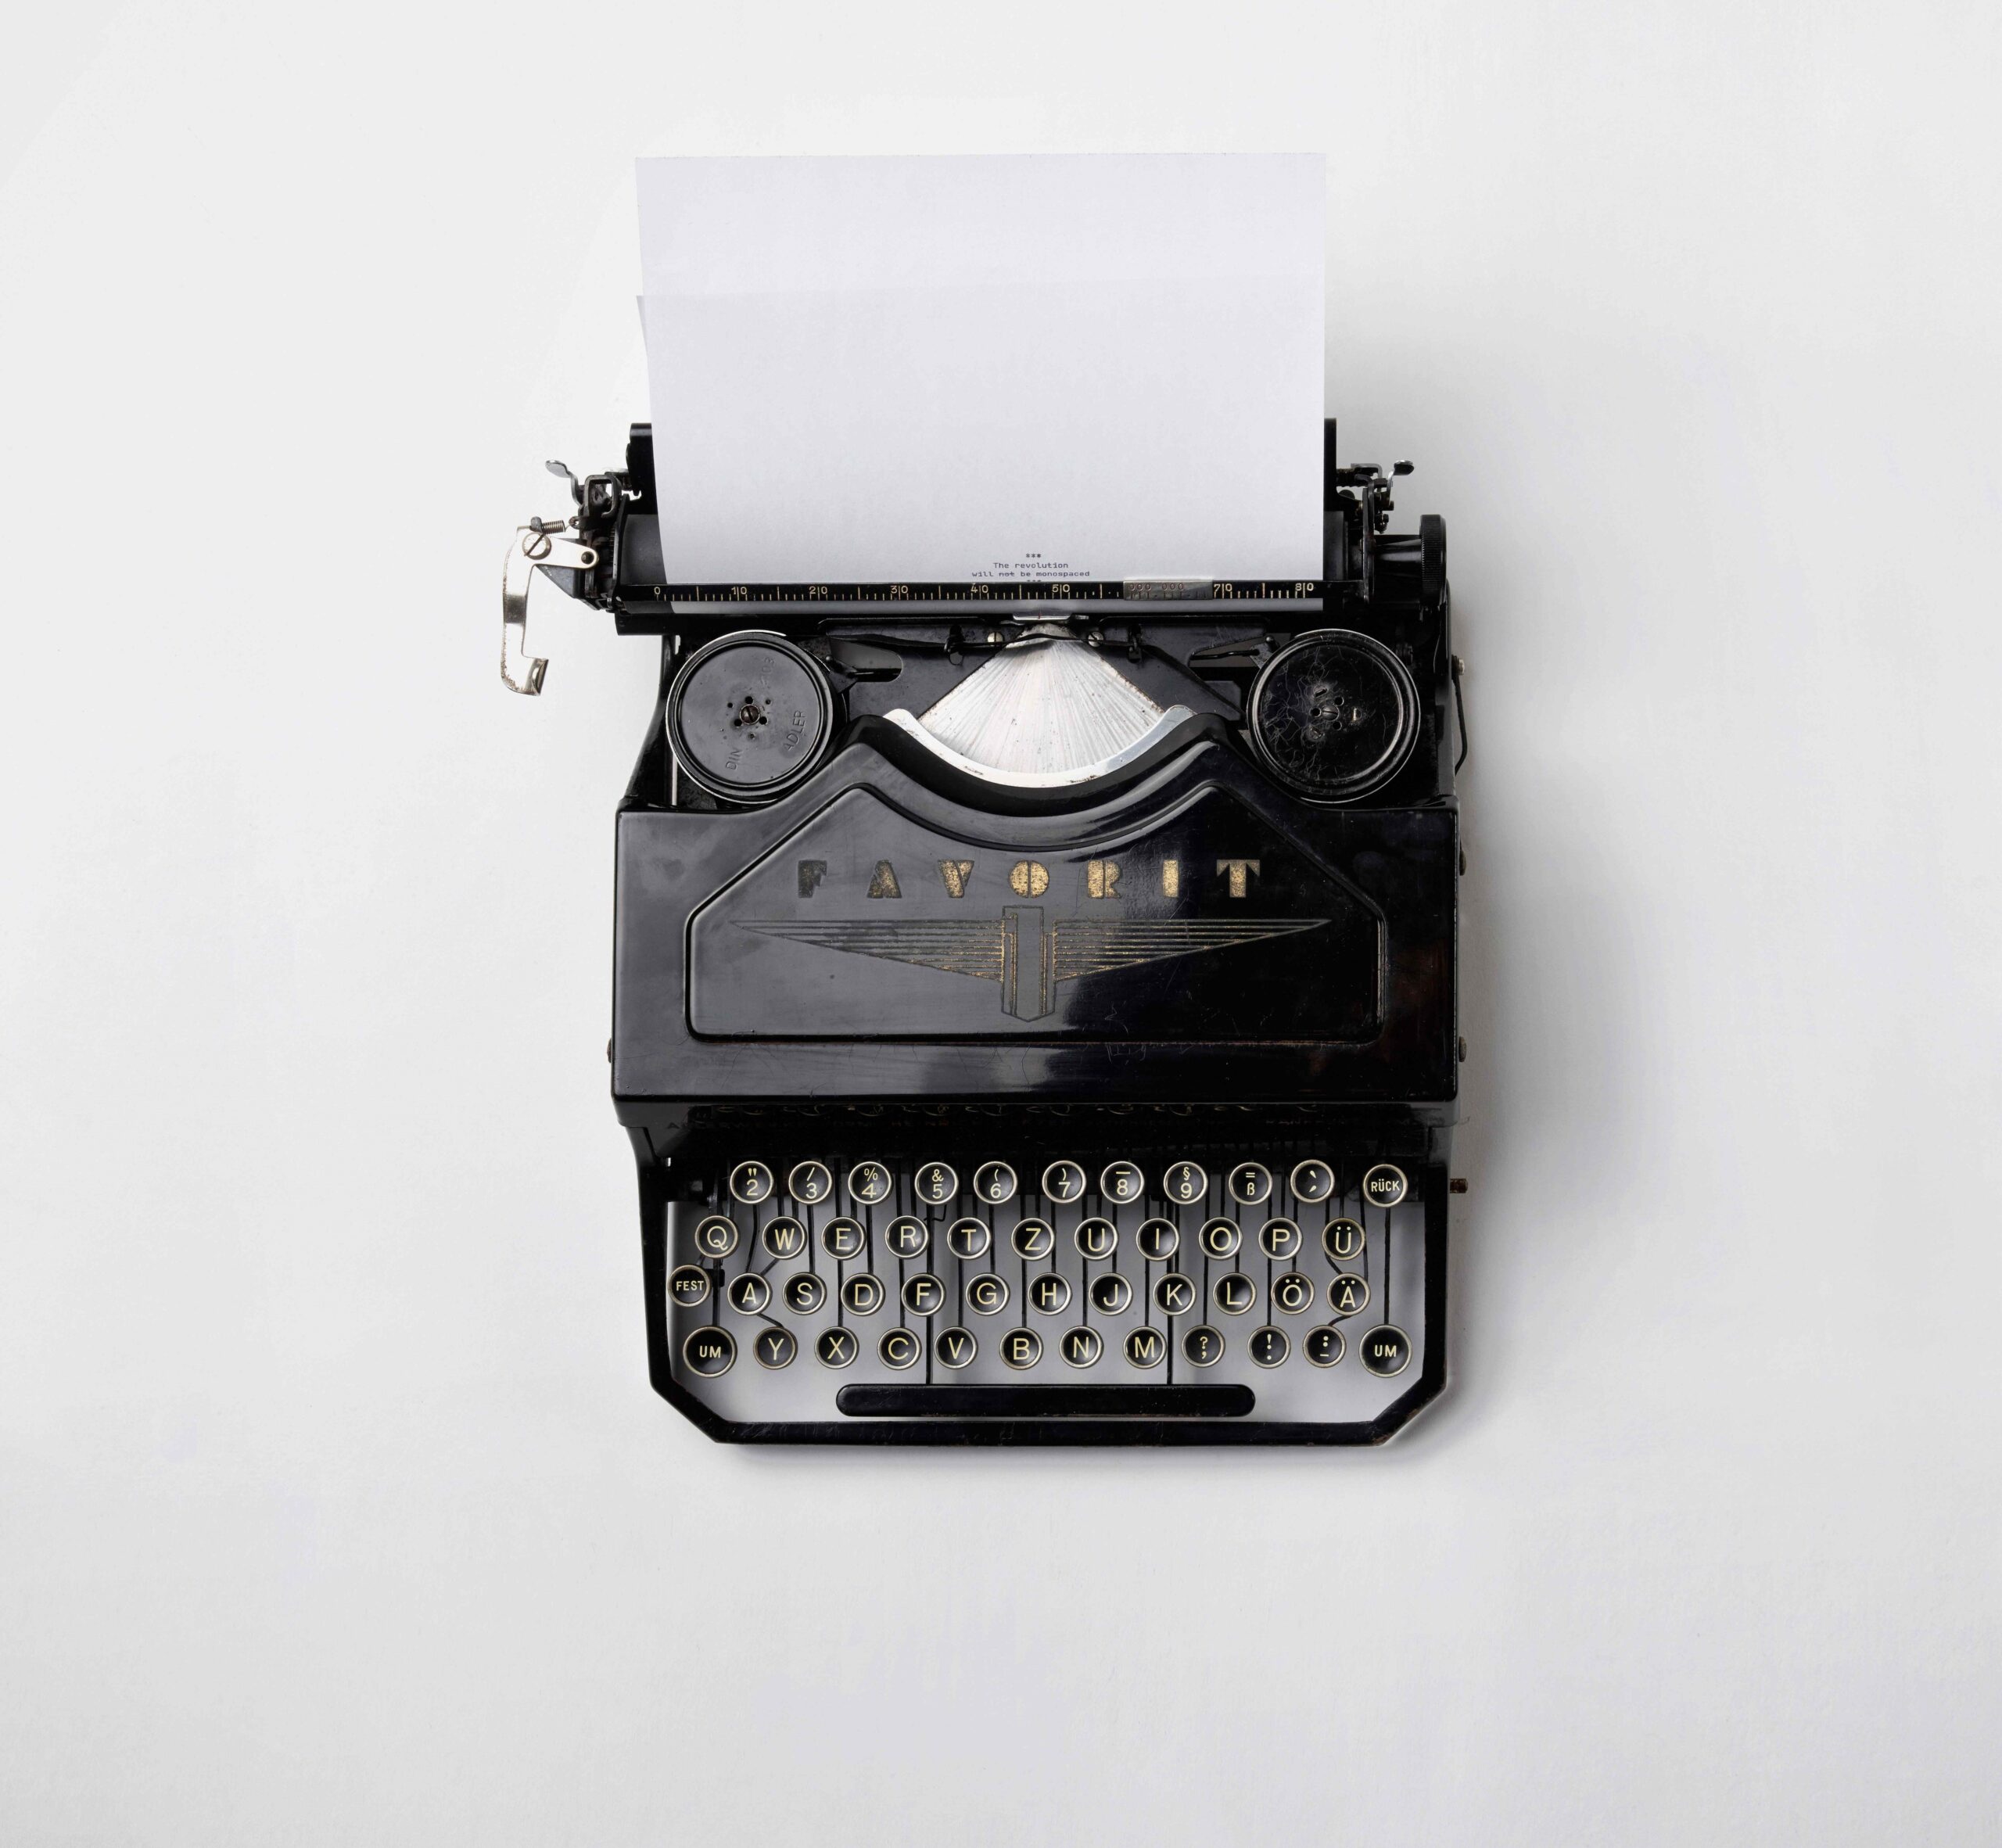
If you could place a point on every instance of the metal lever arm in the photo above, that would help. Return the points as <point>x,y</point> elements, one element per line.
<point>538,543</point>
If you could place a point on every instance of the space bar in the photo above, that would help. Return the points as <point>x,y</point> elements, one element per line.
<point>1046,1401</point>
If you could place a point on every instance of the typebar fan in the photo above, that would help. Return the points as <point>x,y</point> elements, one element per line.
<point>1044,712</point>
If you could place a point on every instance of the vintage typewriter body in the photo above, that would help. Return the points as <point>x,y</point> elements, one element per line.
<point>1035,1003</point>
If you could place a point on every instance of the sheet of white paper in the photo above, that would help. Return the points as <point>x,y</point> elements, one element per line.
<point>989,368</point>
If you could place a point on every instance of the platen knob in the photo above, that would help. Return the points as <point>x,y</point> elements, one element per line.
<point>1334,715</point>
<point>750,716</point>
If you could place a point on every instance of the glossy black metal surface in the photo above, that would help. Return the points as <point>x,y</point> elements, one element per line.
<point>833,940</point>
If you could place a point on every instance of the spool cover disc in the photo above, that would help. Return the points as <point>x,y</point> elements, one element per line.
<point>750,716</point>
<point>1334,715</point>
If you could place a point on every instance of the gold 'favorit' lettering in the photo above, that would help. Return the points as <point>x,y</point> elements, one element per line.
<point>956,873</point>
<point>885,884</point>
<point>1102,878</point>
<point>1028,878</point>
<point>1239,871</point>
<point>1170,879</point>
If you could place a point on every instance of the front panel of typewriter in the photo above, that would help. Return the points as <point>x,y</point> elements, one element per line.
<point>1034,1008</point>
<point>1195,1278</point>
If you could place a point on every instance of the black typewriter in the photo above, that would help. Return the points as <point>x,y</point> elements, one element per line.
<point>1035,1003</point>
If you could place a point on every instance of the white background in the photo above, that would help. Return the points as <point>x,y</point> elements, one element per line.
<point>334,1505</point>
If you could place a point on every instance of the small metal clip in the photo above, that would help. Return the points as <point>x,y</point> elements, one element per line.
<point>1460,712</point>
<point>540,542</point>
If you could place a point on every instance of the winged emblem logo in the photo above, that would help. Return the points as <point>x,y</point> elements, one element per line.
<point>1027,956</point>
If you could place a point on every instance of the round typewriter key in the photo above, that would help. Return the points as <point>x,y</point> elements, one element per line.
<point>1324,1346</point>
<point>1235,1293</point>
<point>987,1295</point>
<point>994,1182</point>
<point>809,1183</point>
<point>906,1237</point>
<point>1174,1294</point>
<point>1110,1293</point>
<point>1157,1239</point>
<point>1312,1181</point>
<point>750,716</point>
<point>1347,1294</point>
<point>750,1294</point>
<point>804,1292</point>
<point>1050,1293</point>
<point>899,1348</point>
<point>1145,1346</point>
<point>869,1183</point>
<point>968,1238</point>
<point>1097,1238</point>
<point>1293,1293</point>
<point>1122,1183</point>
<point>1220,1238</point>
<point>836,1347</point>
<point>954,1347</point>
<point>924,1295</point>
<point>709,1351</point>
<point>774,1347</point>
<point>751,1181</point>
<point>1081,1347</point>
<point>716,1236</point>
<point>1202,1347</point>
<point>1185,1183</point>
<point>1268,1346</point>
<point>841,1238</point>
<point>936,1183</point>
<point>1384,1185</point>
<point>688,1287</point>
<point>1279,1238</point>
<point>1033,1238</point>
<point>783,1237</point>
<point>862,1294</point>
<point>1062,1181</point>
<point>1250,1183</point>
<point>1020,1347</point>
<point>1334,715</point>
<point>1342,1241</point>
<point>1386,1351</point>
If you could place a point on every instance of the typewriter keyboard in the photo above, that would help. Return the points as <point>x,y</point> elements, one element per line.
<point>1285,1285</point>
